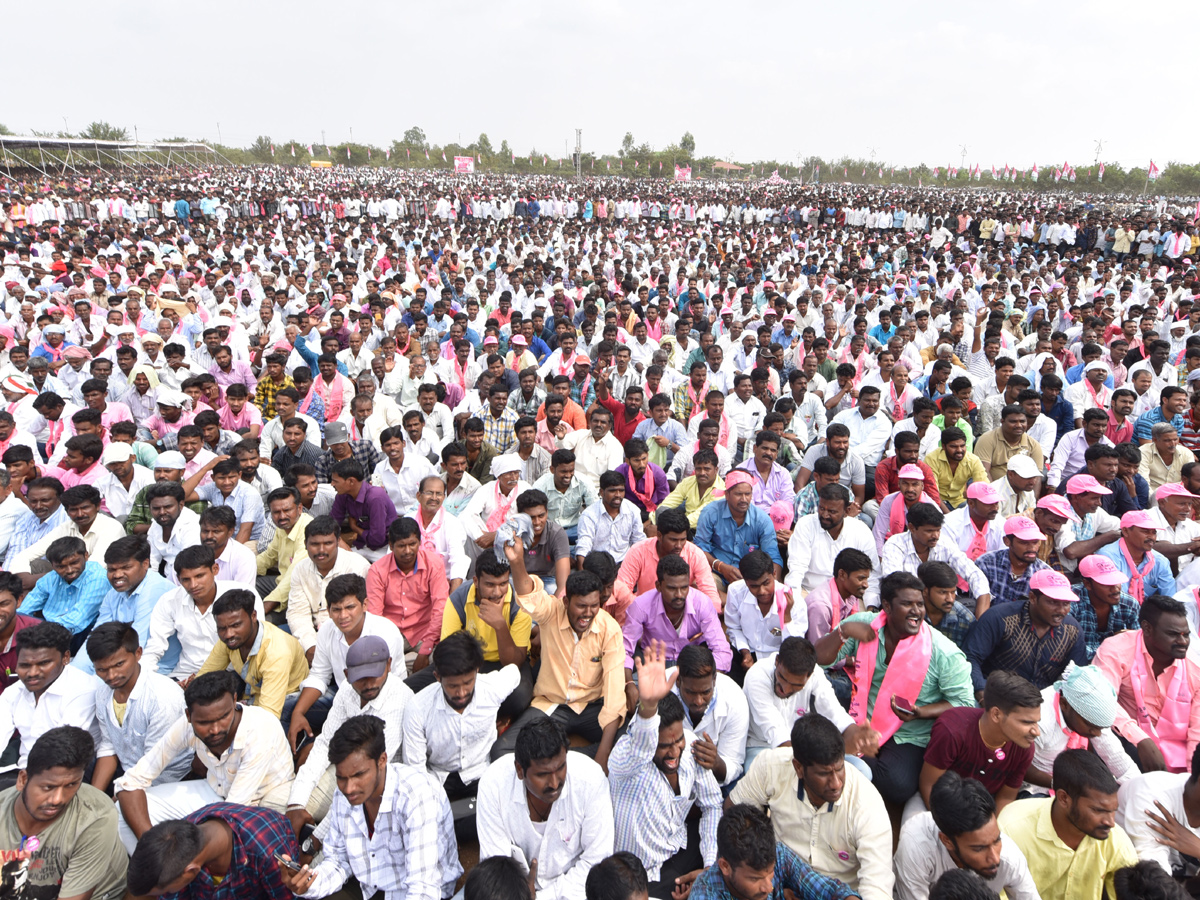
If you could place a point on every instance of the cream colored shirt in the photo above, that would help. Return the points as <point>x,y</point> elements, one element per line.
<point>307,609</point>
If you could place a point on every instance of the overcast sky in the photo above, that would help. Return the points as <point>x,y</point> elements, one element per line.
<point>1020,82</point>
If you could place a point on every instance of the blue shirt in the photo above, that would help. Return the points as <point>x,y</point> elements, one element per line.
<point>1147,420</point>
<point>791,873</point>
<point>997,569</point>
<point>134,606</point>
<point>718,534</point>
<point>28,530</point>
<point>1063,414</point>
<point>1122,617</point>
<point>1159,581</point>
<point>245,502</point>
<point>74,605</point>
<point>1004,638</point>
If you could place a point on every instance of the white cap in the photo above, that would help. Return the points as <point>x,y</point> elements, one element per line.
<point>117,452</point>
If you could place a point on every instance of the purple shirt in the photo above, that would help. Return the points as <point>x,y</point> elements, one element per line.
<point>239,373</point>
<point>646,620</point>
<point>373,509</point>
<point>777,486</point>
<point>657,496</point>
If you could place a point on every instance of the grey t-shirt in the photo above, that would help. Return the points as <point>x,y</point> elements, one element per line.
<point>79,852</point>
<point>541,557</point>
<point>853,469</point>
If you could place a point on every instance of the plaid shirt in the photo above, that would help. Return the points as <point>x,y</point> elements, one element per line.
<point>410,853</point>
<point>806,500</point>
<point>1004,638</point>
<point>362,452</point>
<point>258,834</point>
<point>500,433</point>
<point>956,623</point>
<point>1124,617</point>
<point>284,458</point>
<point>996,568</point>
<point>791,873</point>
<point>264,396</point>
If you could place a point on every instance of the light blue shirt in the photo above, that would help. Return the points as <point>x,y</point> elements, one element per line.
<point>718,534</point>
<point>1159,581</point>
<point>74,605</point>
<point>134,606</point>
<point>28,530</point>
<point>155,704</point>
<point>245,502</point>
<point>600,531</point>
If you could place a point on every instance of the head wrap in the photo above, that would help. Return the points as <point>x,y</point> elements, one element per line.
<point>1089,693</point>
<point>506,462</point>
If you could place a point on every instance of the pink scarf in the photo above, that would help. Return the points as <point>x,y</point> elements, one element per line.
<point>331,394</point>
<point>1171,732</point>
<point>836,603</point>
<point>898,411</point>
<point>697,397</point>
<point>428,531</point>
<point>975,549</point>
<point>1099,398</point>
<point>725,435</point>
<point>1074,741</point>
<point>904,677</point>
<point>646,492</point>
<point>898,515</point>
<point>502,507</point>
<point>1137,579</point>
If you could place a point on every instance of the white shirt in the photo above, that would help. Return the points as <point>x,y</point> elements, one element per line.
<point>11,510</point>
<point>117,498</point>
<point>771,718</point>
<point>899,555</point>
<point>747,416</point>
<point>1185,531</point>
<point>958,528</point>
<point>402,486</point>
<point>154,705</point>
<point>867,436</point>
<point>307,609</point>
<point>1140,793</point>
<point>69,700</point>
<point>750,630</point>
<point>175,613</point>
<point>1053,741</point>
<point>726,721</point>
<point>577,835</point>
<point>330,657</point>
<point>811,552</point>
<point>389,705</point>
<point>444,740</point>
<point>921,858</point>
<point>1102,523</point>
<point>102,533</point>
<point>237,562</point>
<point>594,458</point>
<point>184,533</point>
<point>449,542</point>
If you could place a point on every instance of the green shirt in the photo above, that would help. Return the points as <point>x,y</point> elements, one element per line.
<point>139,513</point>
<point>79,852</point>
<point>948,679</point>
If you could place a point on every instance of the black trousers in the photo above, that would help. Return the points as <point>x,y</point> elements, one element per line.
<point>586,724</point>
<point>896,771</point>
<point>686,860</point>
<point>512,707</point>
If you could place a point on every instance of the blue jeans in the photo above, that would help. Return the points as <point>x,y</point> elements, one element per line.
<point>316,715</point>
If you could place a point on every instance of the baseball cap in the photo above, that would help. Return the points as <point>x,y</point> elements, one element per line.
<point>172,459</point>
<point>1023,528</point>
<point>911,472</point>
<point>1023,467</point>
<point>1138,518</point>
<point>1086,484</point>
<point>116,452</point>
<point>1100,568</point>
<point>983,492</point>
<point>1058,504</point>
<point>1175,489</point>
<point>367,658</point>
<point>1053,584</point>
<point>336,433</point>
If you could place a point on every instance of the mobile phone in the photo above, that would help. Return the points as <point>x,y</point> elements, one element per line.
<point>303,738</point>
<point>905,706</point>
<point>285,863</point>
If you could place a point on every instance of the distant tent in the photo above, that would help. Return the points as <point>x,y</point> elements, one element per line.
<point>727,167</point>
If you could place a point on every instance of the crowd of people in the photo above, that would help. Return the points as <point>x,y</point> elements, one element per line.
<point>707,540</point>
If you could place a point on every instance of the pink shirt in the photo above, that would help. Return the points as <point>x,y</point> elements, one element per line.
<point>248,417</point>
<point>639,569</point>
<point>156,423</point>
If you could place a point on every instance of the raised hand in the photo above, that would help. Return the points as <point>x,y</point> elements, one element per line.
<point>653,681</point>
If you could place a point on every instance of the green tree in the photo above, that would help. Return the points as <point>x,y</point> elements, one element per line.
<point>506,150</point>
<point>687,143</point>
<point>484,145</point>
<point>102,131</point>
<point>627,147</point>
<point>4,129</point>
<point>261,148</point>
<point>415,137</point>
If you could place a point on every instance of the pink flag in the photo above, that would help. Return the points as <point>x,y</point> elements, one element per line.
<point>272,151</point>
<point>1153,171</point>
<point>293,146</point>
<point>1101,173</point>
<point>347,153</point>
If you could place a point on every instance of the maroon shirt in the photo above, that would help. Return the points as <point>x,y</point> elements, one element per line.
<point>955,745</point>
<point>8,655</point>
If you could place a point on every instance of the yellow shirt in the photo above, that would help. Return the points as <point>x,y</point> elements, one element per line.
<point>285,548</point>
<point>119,710</point>
<point>994,452</point>
<point>687,495</point>
<point>952,486</point>
<point>1059,872</point>
<point>276,667</point>
<point>519,627</point>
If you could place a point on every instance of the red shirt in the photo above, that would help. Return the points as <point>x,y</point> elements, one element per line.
<point>620,427</point>
<point>412,600</point>
<point>955,744</point>
<point>8,654</point>
<point>887,479</point>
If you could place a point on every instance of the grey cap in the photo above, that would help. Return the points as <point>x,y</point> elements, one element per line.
<point>336,433</point>
<point>367,658</point>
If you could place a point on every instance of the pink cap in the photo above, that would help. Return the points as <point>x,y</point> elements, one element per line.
<point>1138,518</point>
<point>911,472</point>
<point>1086,484</point>
<point>781,513</point>
<point>1023,528</point>
<point>519,340</point>
<point>1100,568</point>
<point>1058,504</point>
<point>1175,489</point>
<point>490,339</point>
<point>1053,584</point>
<point>736,477</point>
<point>983,492</point>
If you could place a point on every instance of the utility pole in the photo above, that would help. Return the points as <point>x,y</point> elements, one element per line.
<point>578,153</point>
<point>220,141</point>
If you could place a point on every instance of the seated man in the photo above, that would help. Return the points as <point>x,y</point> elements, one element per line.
<point>242,747</point>
<point>918,670</point>
<point>564,793</point>
<point>311,576</point>
<point>581,683</point>
<point>1104,609</point>
<point>1009,569</point>
<point>268,659</point>
<point>369,690</point>
<point>97,530</point>
<point>449,728</point>
<point>50,692</point>
<point>128,732</point>
<point>645,482</point>
<point>1134,554</point>
<point>68,848</point>
<point>818,538</point>
<point>993,744</point>
<point>173,526</point>
<point>567,495</point>
<point>394,807</point>
<point>697,490</point>
<point>892,516</point>
<point>235,560</point>
<point>747,854</point>
<point>228,489</point>
<point>715,710</point>
<point>1090,529</point>
<point>363,510</point>
<point>612,523</point>
<point>772,483</point>
<point>1072,842</point>
<point>408,587</point>
<point>220,850</point>
<point>274,563</point>
<point>71,594</point>
<point>346,605</point>
<point>658,785</point>
<point>11,623</point>
<point>441,533</point>
<point>959,833</point>
<point>826,812</point>
<point>400,472</point>
<point>1078,711</point>
<point>639,569</point>
<point>841,596</point>
<point>548,556</point>
<point>182,629</point>
<point>1034,639</point>
<point>1159,715</point>
<point>923,542</point>
<point>731,527</point>
<point>760,612</point>
<point>1153,811</point>
<point>942,608</point>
